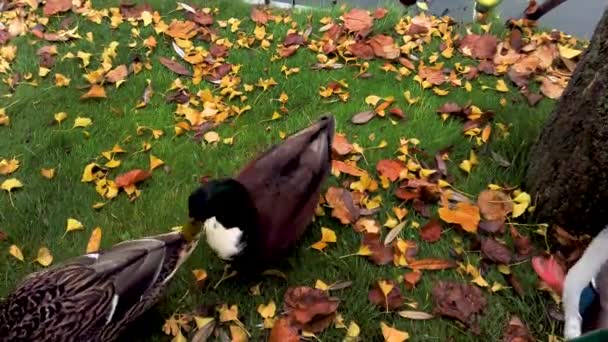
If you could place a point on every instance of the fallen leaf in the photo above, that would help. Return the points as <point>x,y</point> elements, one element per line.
<point>361,50</point>
<point>347,168</point>
<point>47,173</point>
<point>521,202</point>
<point>9,166</point>
<point>327,236</point>
<point>380,12</point>
<point>380,254</point>
<point>155,162</point>
<point>431,232</point>
<point>517,331</point>
<point>237,333</point>
<point>495,251</point>
<point>174,66</point>
<point>357,20</point>
<point>550,89</point>
<point>260,16</point>
<point>94,241</point>
<point>16,252</point>
<point>390,168</point>
<point>464,214</point>
<point>341,202</point>
<point>11,184</point>
<point>460,301</point>
<point>72,225</point>
<point>384,46</point>
<point>431,264</point>
<point>267,310</point>
<point>412,278</point>
<point>391,334</point>
<point>478,46</point>
<point>52,7</point>
<point>386,295</point>
<point>550,271</point>
<point>96,91</point>
<point>211,137</point>
<point>228,314</point>
<point>363,117</point>
<point>310,309</point>
<point>117,74</point>
<point>131,177</point>
<point>415,315</point>
<point>283,331</point>
<point>81,122</point>
<point>568,52</point>
<point>494,205</point>
<point>44,257</point>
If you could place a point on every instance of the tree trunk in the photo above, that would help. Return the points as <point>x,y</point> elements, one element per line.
<point>568,166</point>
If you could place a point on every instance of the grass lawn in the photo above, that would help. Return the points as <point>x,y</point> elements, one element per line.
<point>36,215</point>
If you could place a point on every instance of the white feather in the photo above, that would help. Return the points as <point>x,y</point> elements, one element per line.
<point>226,242</point>
<point>578,277</point>
<point>93,256</point>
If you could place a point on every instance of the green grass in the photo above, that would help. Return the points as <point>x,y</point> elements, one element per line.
<point>41,208</point>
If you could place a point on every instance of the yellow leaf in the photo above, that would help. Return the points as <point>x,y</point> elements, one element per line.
<point>320,284</point>
<point>386,287</point>
<point>82,122</point>
<point>409,99</point>
<point>42,72</point>
<point>267,310</point>
<point>201,322</point>
<point>98,205</point>
<point>112,164</point>
<point>8,166</point>
<point>73,224</point>
<point>372,100</point>
<point>96,91</point>
<point>275,116</point>
<point>568,52</point>
<point>48,173</point>
<point>440,91</point>
<point>10,184</point>
<point>467,86</point>
<point>480,281</point>
<point>352,332</point>
<point>238,334</point>
<point>16,252</point>
<point>391,222</point>
<point>61,80</point>
<point>199,274</point>
<point>259,32</point>
<point>422,5</point>
<point>504,269</point>
<point>496,287</point>
<point>85,57</point>
<point>179,337</point>
<point>94,241</point>
<point>155,162</point>
<point>327,235</point>
<point>59,117</point>
<point>211,137</point>
<point>44,257</point>
<point>502,86</point>
<point>228,314</point>
<point>393,335</point>
<point>466,166</point>
<point>521,202</point>
<point>364,250</point>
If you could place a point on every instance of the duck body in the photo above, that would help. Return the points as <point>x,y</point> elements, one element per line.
<point>95,296</point>
<point>585,290</point>
<point>256,217</point>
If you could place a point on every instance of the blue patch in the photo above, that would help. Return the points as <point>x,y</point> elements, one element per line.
<point>588,296</point>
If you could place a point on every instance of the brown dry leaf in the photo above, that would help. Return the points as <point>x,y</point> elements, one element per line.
<point>431,232</point>
<point>517,331</point>
<point>363,117</point>
<point>478,46</point>
<point>341,201</point>
<point>550,89</point>
<point>390,168</point>
<point>384,46</point>
<point>117,74</point>
<point>494,205</point>
<point>283,331</point>
<point>340,145</point>
<point>132,177</point>
<point>52,7</point>
<point>380,253</point>
<point>495,251</point>
<point>260,16</point>
<point>412,278</point>
<point>347,168</point>
<point>464,214</point>
<point>310,309</point>
<point>182,29</point>
<point>460,301</point>
<point>386,295</point>
<point>174,66</point>
<point>431,264</point>
<point>96,91</point>
<point>357,20</point>
<point>522,243</point>
<point>361,50</point>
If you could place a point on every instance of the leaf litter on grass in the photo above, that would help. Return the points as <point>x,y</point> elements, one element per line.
<point>209,88</point>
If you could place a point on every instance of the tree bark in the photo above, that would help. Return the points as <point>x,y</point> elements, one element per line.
<point>568,166</point>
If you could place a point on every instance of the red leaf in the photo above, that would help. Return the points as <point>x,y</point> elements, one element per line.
<point>496,251</point>
<point>310,308</point>
<point>431,232</point>
<point>381,254</point>
<point>283,331</point>
<point>384,46</point>
<point>294,39</point>
<point>380,12</point>
<point>259,16</point>
<point>56,6</point>
<point>550,271</point>
<point>479,46</point>
<point>390,168</point>
<point>358,20</point>
<point>340,145</point>
<point>460,301</point>
<point>132,177</point>
<point>361,50</point>
<point>174,66</point>
<point>412,278</point>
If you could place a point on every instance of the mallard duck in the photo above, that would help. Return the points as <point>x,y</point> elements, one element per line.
<point>585,290</point>
<point>253,219</point>
<point>93,297</point>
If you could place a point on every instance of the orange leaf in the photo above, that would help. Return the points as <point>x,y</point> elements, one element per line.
<point>358,20</point>
<point>465,214</point>
<point>96,91</point>
<point>390,168</point>
<point>431,264</point>
<point>347,168</point>
<point>412,278</point>
<point>341,200</point>
<point>341,145</point>
<point>283,331</point>
<point>132,177</point>
<point>56,6</point>
<point>384,46</point>
<point>260,16</point>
